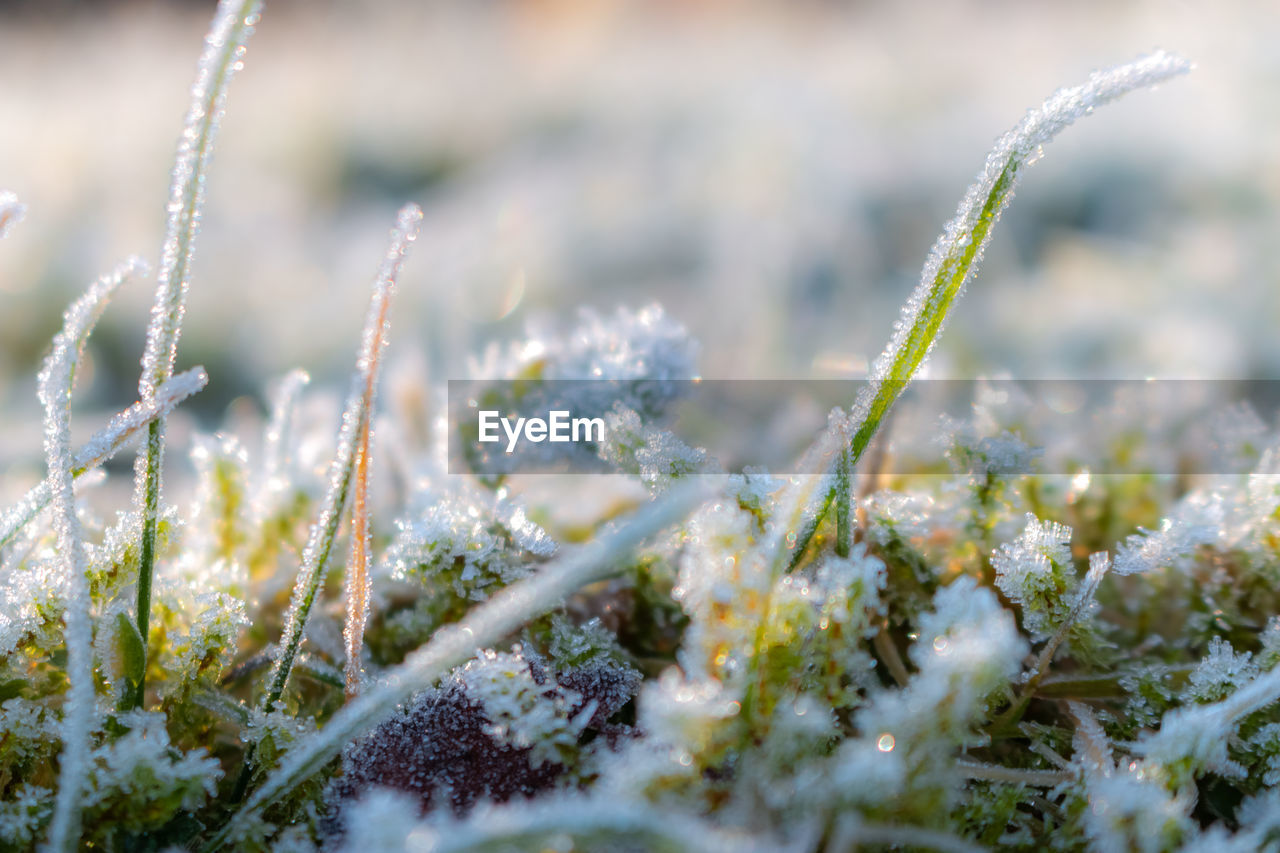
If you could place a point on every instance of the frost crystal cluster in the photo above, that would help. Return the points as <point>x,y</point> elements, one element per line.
<point>319,640</point>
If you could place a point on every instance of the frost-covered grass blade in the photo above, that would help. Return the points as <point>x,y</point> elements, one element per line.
<point>356,581</point>
<point>55,384</point>
<point>955,256</point>
<point>349,464</point>
<point>352,436</point>
<point>223,55</point>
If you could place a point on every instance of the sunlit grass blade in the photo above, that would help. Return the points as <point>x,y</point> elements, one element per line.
<point>355,424</point>
<point>356,582</point>
<point>352,439</point>
<point>57,379</point>
<point>484,626</point>
<point>955,256</point>
<point>123,428</point>
<point>233,23</point>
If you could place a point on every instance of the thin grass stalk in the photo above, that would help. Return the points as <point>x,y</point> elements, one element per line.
<point>225,47</point>
<point>355,424</point>
<point>352,436</point>
<point>57,379</point>
<point>123,428</point>
<point>357,575</point>
<point>844,504</point>
<point>485,625</point>
<point>955,256</point>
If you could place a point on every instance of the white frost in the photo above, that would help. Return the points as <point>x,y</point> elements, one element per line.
<point>56,380</point>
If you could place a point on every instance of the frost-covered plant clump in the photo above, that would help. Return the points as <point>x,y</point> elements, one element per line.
<point>292,655</point>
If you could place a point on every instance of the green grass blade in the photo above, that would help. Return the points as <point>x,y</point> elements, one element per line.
<point>233,23</point>
<point>955,256</point>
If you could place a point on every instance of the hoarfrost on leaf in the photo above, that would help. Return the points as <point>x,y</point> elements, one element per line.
<point>1036,572</point>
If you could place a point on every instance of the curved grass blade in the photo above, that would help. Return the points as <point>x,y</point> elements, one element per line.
<point>485,625</point>
<point>955,256</point>
<point>224,51</point>
<point>57,378</point>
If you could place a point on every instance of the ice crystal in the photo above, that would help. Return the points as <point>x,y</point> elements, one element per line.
<point>1036,572</point>
<point>1129,813</point>
<point>1169,545</point>
<point>23,813</point>
<point>898,516</point>
<point>641,350</point>
<point>724,584</point>
<point>461,548</point>
<point>11,212</point>
<point>210,643</point>
<point>520,712</point>
<point>566,821</point>
<point>1194,740</point>
<point>1220,673</point>
<point>684,714</point>
<point>1238,438</point>
<point>631,361</point>
<point>754,489</point>
<point>987,456</point>
<point>381,819</point>
<point>278,460</point>
<point>654,455</point>
<point>219,522</point>
<point>143,779</point>
<point>32,599</point>
<point>968,648</point>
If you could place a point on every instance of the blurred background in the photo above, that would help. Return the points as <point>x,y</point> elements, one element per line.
<point>773,173</point>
